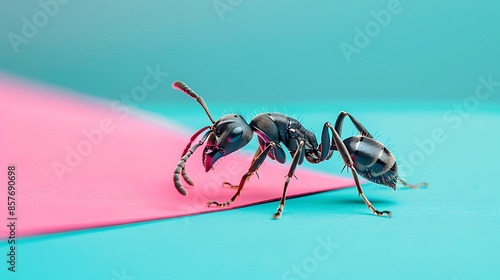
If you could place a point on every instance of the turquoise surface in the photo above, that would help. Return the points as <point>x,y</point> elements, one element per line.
<point>425,81</point>
<point>447,231</point>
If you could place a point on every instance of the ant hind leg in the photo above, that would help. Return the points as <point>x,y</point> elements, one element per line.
<point>348,162</point>
<point>411,186</point>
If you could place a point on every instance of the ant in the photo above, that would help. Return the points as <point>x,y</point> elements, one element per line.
<point>362,154</point>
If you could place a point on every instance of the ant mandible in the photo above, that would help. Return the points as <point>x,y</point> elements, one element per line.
<point>362,154</point>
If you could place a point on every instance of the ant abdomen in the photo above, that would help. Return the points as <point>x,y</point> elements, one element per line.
<point>372,160</point>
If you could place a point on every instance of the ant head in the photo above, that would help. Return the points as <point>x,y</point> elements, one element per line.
<point>372,160</point>
<point>230,133</point>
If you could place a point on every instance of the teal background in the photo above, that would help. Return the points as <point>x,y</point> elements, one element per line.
<point>285,56</point>
<point>264,51</point>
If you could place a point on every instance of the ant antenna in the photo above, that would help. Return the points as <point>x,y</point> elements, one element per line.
<point>184,88</point>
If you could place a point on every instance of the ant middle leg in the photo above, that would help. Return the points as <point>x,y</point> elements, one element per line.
<point>299,153</point>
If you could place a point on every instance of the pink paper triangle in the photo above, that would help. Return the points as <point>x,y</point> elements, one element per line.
<point>122,174</point>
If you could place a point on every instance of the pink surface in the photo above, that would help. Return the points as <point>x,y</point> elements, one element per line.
<point>122,176</point>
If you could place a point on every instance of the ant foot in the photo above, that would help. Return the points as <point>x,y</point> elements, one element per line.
<point>381,213</point>
<point>217,204</point>
<point>279,212</point>
<point>229,185</point>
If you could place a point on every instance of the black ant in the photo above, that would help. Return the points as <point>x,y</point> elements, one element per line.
<point>362,154</point>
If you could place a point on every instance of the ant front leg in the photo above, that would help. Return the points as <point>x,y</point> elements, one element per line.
<point>299,153</point>
<point>255,156</point>
<point>344,153</point>
<point>253,168</point>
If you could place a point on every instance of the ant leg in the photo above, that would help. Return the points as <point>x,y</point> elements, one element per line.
<point>411,186</point>
<point>253,168</point>
<point>231,186</point>
<point>357,124</point>
<point>325,147</point>
<point>180,166</point>
<point>367,202</point>
<point>348,162</point>
<point>299,153</point>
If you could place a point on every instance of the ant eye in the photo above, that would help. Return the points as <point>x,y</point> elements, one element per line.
<point>235,134</point>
